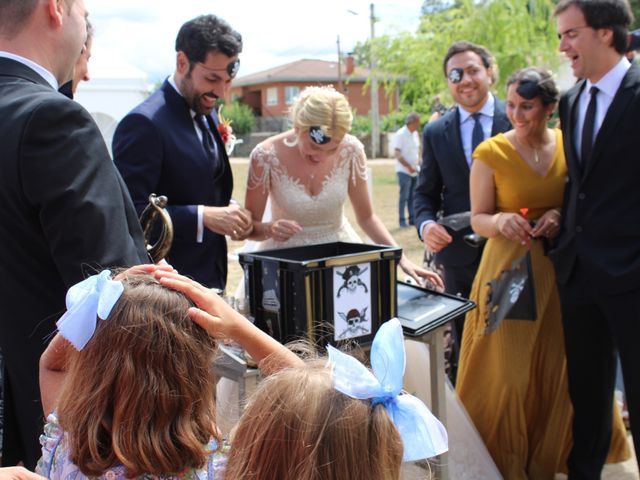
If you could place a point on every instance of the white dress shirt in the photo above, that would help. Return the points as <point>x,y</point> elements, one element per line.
<point>607,86</point>
<point>467,123</point>
<point>39,69</point>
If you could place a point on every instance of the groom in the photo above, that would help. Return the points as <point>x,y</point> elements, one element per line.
<point>170,145</point>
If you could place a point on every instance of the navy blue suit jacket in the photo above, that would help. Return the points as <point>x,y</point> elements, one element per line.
<point>601,209</point>
<point>443,183</point>
<point>157,150</point>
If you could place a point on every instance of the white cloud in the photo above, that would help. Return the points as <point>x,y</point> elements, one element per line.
<point>274,32</point>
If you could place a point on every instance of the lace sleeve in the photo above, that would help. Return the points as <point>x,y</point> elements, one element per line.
<point>353,153</point>
<point>49,440</point>
<point>260,165</point>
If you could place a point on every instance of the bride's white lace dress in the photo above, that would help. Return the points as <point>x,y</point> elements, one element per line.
<point>321,216</point>
<point>322,220</point>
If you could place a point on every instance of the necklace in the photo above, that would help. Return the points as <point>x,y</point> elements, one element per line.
<point>536,157</point>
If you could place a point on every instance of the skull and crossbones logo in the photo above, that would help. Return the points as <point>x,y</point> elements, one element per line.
<point>351,279</point>
<point>354,319</point>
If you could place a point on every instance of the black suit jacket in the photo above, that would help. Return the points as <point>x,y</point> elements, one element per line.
<point>157,150</point>
<point>63,209</point>
<point>444,180</point>
<point>601,209</point>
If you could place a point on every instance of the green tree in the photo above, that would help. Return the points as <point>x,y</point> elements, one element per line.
<point>240,115</point>
<point>519,33</point>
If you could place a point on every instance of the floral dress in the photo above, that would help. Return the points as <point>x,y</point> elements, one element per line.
<point>56,464</point>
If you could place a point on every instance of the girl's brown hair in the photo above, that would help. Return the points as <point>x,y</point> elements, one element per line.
<point>141,393</point>
<point>298,427</point>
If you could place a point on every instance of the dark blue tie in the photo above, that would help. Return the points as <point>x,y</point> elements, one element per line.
<point>208,141</point>
<point>588,128</point>
<point>477,136</point>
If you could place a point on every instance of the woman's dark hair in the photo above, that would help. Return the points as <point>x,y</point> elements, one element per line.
<point>535,82</point>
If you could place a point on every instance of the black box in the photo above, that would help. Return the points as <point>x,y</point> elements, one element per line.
<point>324,293</point>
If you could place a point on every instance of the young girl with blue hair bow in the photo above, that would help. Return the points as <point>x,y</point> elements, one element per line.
<point>134,398</point>
<point>128,381</point>
<point>336,420</point>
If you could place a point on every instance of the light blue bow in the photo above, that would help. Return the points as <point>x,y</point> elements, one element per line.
<point>423,436</point>
<point>94,296</point>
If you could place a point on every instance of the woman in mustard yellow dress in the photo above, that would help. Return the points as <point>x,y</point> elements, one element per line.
<point>513,381</point>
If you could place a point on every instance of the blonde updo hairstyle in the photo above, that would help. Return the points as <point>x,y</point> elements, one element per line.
<point>323,107</point>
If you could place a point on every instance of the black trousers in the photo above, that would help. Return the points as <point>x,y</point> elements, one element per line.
<point>595,326</point>
<point>458,281</point>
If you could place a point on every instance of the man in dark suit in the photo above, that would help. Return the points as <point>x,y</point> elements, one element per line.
<point>597,255</point>
<point>443,183</point>
<point>170,145</point>
<point>63,206</point>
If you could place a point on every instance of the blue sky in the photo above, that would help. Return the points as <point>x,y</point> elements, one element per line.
<point>141,33</point>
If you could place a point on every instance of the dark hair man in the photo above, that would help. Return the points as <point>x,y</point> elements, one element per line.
<point>443,183</point>
<point>170,145</point>
<point>597,255</point>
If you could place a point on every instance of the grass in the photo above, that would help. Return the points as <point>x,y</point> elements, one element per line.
<point>385,205</point>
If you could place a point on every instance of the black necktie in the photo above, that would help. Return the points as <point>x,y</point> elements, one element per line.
<point>588,128</point>
<point>477,136</point>
<point>207,137</point>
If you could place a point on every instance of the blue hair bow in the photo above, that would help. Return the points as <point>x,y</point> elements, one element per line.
<point>94,296</point>
<point>423,435</point>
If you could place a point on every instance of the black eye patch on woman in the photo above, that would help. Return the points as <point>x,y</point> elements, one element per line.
<point>318,136</point>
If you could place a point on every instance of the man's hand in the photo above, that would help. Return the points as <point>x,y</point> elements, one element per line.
<point>233,221</point>
<point>435,237</point>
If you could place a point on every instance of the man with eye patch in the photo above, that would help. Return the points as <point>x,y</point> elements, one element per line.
<point>170,145</point>
<point>443,182</point>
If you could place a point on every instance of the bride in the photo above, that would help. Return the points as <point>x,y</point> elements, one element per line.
<point>307,173</point>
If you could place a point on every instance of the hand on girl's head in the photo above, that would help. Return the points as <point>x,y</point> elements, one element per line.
<point>213,313</point>
<point>144,268</point>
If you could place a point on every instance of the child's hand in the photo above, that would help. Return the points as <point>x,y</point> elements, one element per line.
<point>18,473</point>
<point>213,313</point>
<point>222,321</point>
<point>144,268</point>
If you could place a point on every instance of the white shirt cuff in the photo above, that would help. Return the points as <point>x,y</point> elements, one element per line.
<point>422,225</point>
<point>200,232</point>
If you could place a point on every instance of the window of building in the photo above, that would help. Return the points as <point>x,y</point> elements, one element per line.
<point>272,96</point>
<point>290,93</point>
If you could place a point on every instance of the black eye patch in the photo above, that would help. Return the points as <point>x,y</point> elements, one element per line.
<point>318,136</point>
<point>455,75</point>
<point>233,67</point>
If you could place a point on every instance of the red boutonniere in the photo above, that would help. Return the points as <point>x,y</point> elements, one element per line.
<point>226,133</point>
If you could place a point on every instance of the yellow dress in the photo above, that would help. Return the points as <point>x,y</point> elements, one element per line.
<point>513,381</point>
